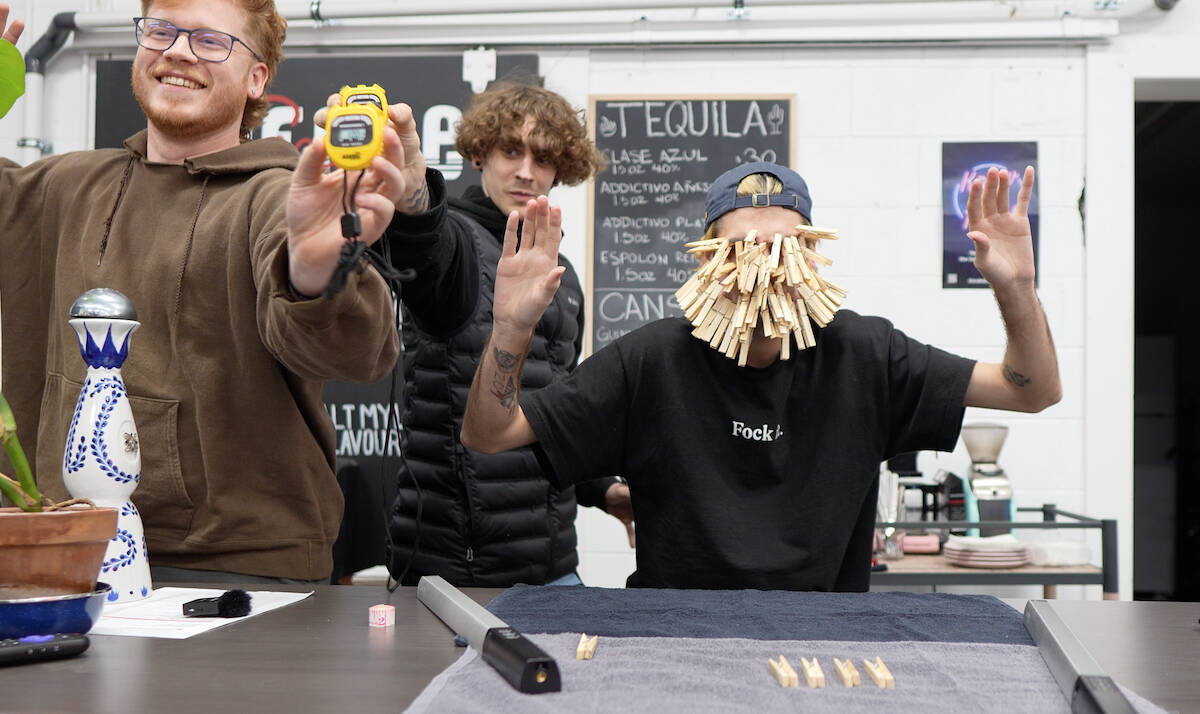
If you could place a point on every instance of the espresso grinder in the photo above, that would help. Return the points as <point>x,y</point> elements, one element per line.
<point>988,493</point>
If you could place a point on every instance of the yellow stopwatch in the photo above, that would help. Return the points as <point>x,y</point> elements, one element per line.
<point>354,135</point>
<point>354,130</point>
<point>363,94</point>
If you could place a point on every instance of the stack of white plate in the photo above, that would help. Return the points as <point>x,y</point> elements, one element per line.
<point>1002,551</point>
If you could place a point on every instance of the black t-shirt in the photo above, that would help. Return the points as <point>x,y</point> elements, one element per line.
<point>751,478</point>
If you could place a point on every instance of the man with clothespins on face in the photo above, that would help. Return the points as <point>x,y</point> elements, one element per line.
<point>752,429</point>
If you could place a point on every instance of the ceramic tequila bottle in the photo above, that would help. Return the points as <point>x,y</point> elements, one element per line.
<point>102,460</point>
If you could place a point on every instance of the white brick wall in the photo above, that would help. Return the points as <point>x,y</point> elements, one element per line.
<point>68,81</point>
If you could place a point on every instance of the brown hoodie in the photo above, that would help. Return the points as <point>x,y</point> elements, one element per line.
<point>225,373</point>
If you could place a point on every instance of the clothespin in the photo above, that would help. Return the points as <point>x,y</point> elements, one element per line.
<point>812,673</point>
<point>783,672</point>
<point>845,669</point>
<point>880,674</point>
<point>586,648</point>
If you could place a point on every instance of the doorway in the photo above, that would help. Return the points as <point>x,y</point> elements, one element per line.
<point>1166,537</point>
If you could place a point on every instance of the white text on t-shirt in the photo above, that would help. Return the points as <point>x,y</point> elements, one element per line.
<point>762,433</point>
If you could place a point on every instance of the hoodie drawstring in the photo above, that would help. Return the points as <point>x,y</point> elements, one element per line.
<point>187,250</point>
<point>116,204</point>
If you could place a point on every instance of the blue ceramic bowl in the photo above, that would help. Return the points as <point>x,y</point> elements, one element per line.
<point>52,614</point>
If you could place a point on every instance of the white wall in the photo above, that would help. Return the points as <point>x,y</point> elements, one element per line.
<point>869,143</point>
<point>69,86</point>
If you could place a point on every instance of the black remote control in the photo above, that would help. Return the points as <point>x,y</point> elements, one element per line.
<point>35,648</point>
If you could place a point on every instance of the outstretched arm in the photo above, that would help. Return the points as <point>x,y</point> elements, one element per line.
<point>1028,378</point>
<point>526,281</point>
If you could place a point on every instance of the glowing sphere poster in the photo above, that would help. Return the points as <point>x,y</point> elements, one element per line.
<point>962,163</point>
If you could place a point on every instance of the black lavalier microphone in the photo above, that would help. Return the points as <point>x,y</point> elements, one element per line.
<point>231,603</point>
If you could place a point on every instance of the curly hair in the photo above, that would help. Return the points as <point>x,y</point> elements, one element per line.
<point>496,117</point>
<point>267,30</point>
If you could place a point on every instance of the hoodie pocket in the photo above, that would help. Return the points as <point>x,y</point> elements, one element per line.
<point>161,497</point>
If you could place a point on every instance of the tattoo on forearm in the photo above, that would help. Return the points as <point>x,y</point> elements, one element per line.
<point>506,361</point>
<point>1015,377</point>
<point>504,388</point>
<point>418,200</point>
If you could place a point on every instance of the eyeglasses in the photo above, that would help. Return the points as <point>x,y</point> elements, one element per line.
<point>208,45</point>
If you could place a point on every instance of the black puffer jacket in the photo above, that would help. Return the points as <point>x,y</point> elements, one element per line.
<point>486,520</point>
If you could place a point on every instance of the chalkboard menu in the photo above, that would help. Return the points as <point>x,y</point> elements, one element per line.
<point>663,152</point>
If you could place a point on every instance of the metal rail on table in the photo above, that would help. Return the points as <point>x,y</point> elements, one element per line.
<point>1082,681</point>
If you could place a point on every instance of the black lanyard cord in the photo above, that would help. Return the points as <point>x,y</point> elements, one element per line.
<point>354,251</point>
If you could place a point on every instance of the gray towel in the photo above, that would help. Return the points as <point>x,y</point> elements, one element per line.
<point>683,674</point>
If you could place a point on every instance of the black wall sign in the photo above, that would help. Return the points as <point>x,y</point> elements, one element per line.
<point>663,153</point>
<point>432,86</point>
<point>962,163</point>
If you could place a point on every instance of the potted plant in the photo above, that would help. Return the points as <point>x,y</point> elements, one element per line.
<point>46,548</point>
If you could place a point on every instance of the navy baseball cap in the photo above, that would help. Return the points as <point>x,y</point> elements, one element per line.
<point>722,194</point>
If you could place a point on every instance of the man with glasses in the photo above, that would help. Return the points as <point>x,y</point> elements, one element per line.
<point>224,245</point>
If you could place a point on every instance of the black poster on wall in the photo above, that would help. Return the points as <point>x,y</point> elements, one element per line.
<point>432,86</point>
<point>962,163</point>
<point>663,152</point>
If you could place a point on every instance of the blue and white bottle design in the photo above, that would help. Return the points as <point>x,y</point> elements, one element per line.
<point>102,460</point>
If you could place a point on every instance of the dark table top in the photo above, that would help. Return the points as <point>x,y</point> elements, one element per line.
<point>318,655</point>
<point>321,655</point>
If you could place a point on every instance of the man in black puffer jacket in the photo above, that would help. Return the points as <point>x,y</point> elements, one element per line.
<point>475,519</point>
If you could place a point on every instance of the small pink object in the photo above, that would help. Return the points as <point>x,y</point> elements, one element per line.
<point>922,544</point>
<point>383,616</point>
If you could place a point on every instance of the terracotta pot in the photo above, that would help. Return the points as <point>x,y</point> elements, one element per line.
<point>58,552</point>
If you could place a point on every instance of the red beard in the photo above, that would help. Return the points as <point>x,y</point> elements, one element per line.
<point>222,107</point>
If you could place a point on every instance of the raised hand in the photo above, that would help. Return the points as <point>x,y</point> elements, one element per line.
<point>415,196</point>
<point>12,66</point>
<point>1002,237</point>
<point>314,209</point>
<point>527,279</point>
<point>12,32</point>
<point>1027,379</point>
